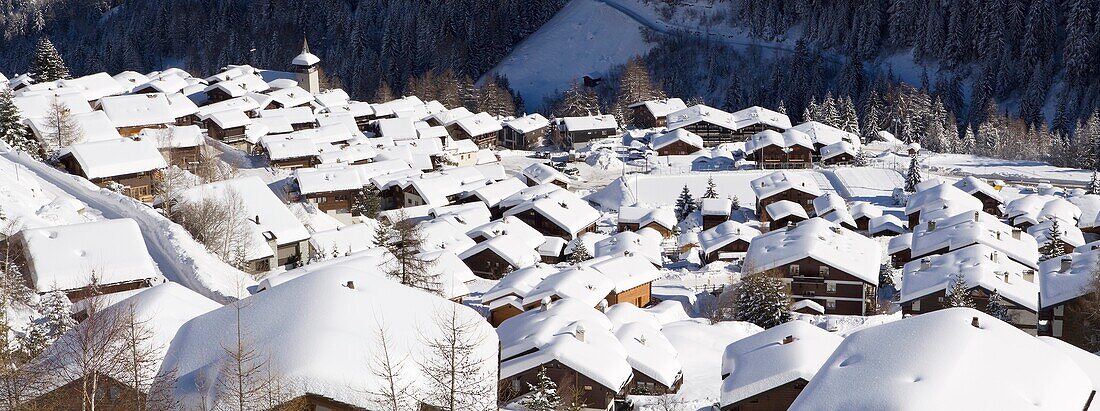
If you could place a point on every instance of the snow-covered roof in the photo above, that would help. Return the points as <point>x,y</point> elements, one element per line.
<point>820,240</point>
<point>629,243</point>
<point>528,194</point>
<point>397,128</point>
<point>343,240</point>
<point>838,148</point>
<point>137,109</point>
<point>93,126</point>
<point>513,251</point>
<point>862,209</point>
<point>295,115</point>
<point>1067,277</point>
<point>700,113</point>
<point>649,352</point>
<point>239,86</point>
<point>972,185</point>
<point>759,115</point>
<point>828,202</point>
<point>527,123</point>
<point>263,209</point>
<point>512,226</point>
<point>121,156</point>
<point>541,174</point>
<point>886,224</point>
<point>563,208</point>
<point>451,116</point>
<point>949,363</point>
<point>291,96</point>
<point>588,123</point>
<point>1067,231</point>
<point>787,139</point>
<point>174,136</point>
<point>781,181</point>
<point>580,282</point>
<point>94,86</point>
<point>518,283</point>
<point>38,105</point>
<point>329,179</point>
<point>479,124</point>
<point>727,232</point>
<point>902,242</point>
<point>66,257</point>
<point>785,208</point>
<point>975,227</point>
<point>774,357</point>
<point>664,140</point>
<point>338,98</point>
<point>980,266</point>
<point>230,119</point>
<point>242,104</point>
<point>436,132</point>
<point>128,80</point>
<point>1088,362</point>
<point>314,332</point>
<point>645,215</point>
<point>1089,204</point>
<point>826,135</point>
<point>493,194</point>
<point>625,272</point>
<point>661,107</point>
<point>282,147</point>
<point>941,200</point>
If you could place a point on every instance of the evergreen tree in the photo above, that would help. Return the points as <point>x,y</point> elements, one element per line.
<point>47,64</point>
<point>735,203</point>
<point>580,253</point>
<point>365,202</point>
<point>55,307</point>
<point>543,395</point>
<point>383,234</point>
<point>958,294</point>
<point>1094,184</point>
<point>1055,245</point>
<point>685,204</point>
<point>995,308</point>
<point>12,130</point>
<point>762,299</point>
<point>912,176</point>
<point>712,190</point>
<point>861,159</point>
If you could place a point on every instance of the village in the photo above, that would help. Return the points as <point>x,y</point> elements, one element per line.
<point>257,239</point>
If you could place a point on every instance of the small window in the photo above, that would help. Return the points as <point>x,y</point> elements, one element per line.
<point>830,303</point>
<point>794,269</point>
<point>588,388</point>
<point>916,305</point>
<point>830,287</point>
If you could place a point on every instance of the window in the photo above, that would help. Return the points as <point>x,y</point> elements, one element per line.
<point>588,388</point>
<point>830,287</point>
<point>794,269</point>
<point>823,271</point>
<point>831,304</point>
<point>916,305</point>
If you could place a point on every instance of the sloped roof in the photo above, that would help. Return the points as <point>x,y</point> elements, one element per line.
<point>121,156</point>
<point>763,361</point>
<point>65,257</point>
<point>980,267</point>
<point>821,240</point>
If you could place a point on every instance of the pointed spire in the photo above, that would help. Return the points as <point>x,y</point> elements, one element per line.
<point>305,44</point>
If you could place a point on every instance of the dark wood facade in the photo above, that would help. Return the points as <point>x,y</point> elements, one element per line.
<point>511,138</point>
<point>1059,321</point>
<point>842,159</point>
<point>804,199</point>
<point>568,381</point>
<point>295,162</point>
<point>138,186</point>
<point>678,148</point>
<point>839,292</point>
<point>645,385</point>
<point>504,312</point>
<point>989,204</point>
<point>736,246</point>
<point>488,264</point>
<point>711,221</point>
<point>314,402</point>
<point>643,118</point>
<point>110,395</point>
<point>547,227</point>
<point>336,201</point>
<point>1019,316</point>
<point>776,399</point>
<point>775,157</point>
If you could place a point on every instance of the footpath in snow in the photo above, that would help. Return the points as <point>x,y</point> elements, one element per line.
<point>179,257</point>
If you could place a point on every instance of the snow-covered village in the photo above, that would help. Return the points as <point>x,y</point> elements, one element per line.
<point>265,234</point>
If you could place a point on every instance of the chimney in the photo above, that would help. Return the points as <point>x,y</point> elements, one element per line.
<point>257,220</point>
<point>1008,278</point>
<point>1067,262</point>
<point>788,339</point>
<point>996,257</point>
<point>544,304</point>
<point>1016,232</point>
<point>580,333</point>
<point>977,215</point>
<point>998,235</point>
<point>932,225</point>
<point>974,322</point>
<point>641,339</point>
<point>351,285</point>
<point>1029,276</point>
<point>790,225</point>
<point>925,263</point>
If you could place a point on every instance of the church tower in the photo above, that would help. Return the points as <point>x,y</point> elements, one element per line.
<point>305,67</point>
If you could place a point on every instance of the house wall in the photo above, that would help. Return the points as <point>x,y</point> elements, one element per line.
<point>183,157</point>
<point>806,200</point>
<point>783,222</point>
<point>837,291</point>
<point>547,227</point>
<point>139,186</point>
<point>712,134</point>
<point>1020,317</point>
<point>487,264</point>
<point>640,296</point>
<point>710,221</point>
<point>738,246</point>
<point>579,138</point>
<point>497,316</point>
<point>594,395</point>
<point>773,157</point>
<point>512,139</point>
<point>293,163</point>
<point>678,148</point>
<point>643,118</point>
<point>664,231</point>
<point>644,385</point>
<point>839,160</point>
<point>776,399</point>
<point>135,130</point>
<point>337,201</point>
<point>110,395</point>
<point>989,204</point>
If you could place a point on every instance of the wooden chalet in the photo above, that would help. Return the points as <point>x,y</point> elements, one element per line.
<point>481,128</point>
<point>109,394</point>
<point>727,238</point>
<point>632,218</point>
<point>654,113</point>
<point>559,214</point>
<point>768,370</point>
<point>129,163</point>
<point>992,202</point>
<point>496,257</point>
<point>795,187</point>
<point>715,211</point>
<point>524,133</point>
<point>838,154</point>
<point>772,150</point>
<point>676,142</point>
<point>1064,283</point>
<point>576,132</point>
<point>132,113</point>
<point>332,190</point>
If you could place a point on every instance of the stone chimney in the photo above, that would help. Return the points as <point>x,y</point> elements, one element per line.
<point>579,333</point>
<point>788,339</point>
<point>974,322</point>
<point>350,284</point>
<point>1016,233</point>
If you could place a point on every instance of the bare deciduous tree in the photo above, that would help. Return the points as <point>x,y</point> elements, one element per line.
<point>405,243</point>
<point>219,223</point>
<point>393,393</point>
<point>245,381</point>
<point>457,376</point>
<point>1084,314</point>
<point>60,129</point>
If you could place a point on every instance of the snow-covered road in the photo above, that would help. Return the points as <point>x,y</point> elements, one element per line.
<point>178,256</point>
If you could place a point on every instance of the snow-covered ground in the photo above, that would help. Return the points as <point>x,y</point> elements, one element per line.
<point>700,345</point>
<point>1009,170</point>
<point>662,190</point>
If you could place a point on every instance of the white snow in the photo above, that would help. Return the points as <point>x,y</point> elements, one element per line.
<point>767,359</point>
<point>821,240</point>
<point>117,157</point>
<point>66,257</point>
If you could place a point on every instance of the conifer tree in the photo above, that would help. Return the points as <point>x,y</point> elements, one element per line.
<point>735,203</point>
<point>580,253</point>
<point>47,64</point>
<point>958,294</point>
<point>912,177</point>
<point>1055,245</point>
<point>544,394</point>
<point>762,299</point>
<point>712,190</point>
<point>12,130</point>
<point>1094,184</point>
<point>995,308</point>
<point>685,204</point>
<point>365,202</point>
<point>861,159</point>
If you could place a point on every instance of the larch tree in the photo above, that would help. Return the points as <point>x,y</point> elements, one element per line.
<point>91,350</point>
<point>393,393</point>
<point>763,299</point>
<point>13,131</point>
<point>958,293</point>
<point>458,378</point>
<point>635,86</point>
<point>578,101</point>
<point>61,130</point>
<point>47,64</point>
<point>245,380</point>
<point>407,266</point>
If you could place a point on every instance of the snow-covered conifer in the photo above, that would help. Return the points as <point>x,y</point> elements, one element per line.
<point>762,299</point>
<point>685,204</point>
<point>544,394</point>
<point>47,64</point>
<point>712,189</point>
<point>12,130</point>
<point>912,176</point>
<point>958,294</point>
<point>995,307</point>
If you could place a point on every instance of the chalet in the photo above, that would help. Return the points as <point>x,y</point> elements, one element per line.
<point>823,135</point>
<point>1063,281</point>
<point>645,243</point>
<point>461,153</point>
<point>288,97</point>
<point>351,155</point>
<point>300,118</point>
<point>66,258</point>
<point>132,113</point>
<point>784,185</point>
<point>676,142</point>
<point>524,133</point>
<point>876,371</point>
<point>841,217</point>
<point>493,194</point>
<point>654,113</point>
<point>245,104</point>
<point>1090,212</point>
<point>715,211</point>
<point>505,297</point>
<point>886,225</point>
<point>496,257</point>
<point>276,237</point>
<point>227,126</point>
<point>482,128</point>
<point>927,283</point>
<point>820,261</point>
<point>863,212</point>
<point>390,108</point>
<point>397,129</point>
<point>634,218</point>
<point>332,189</point>
<point>991,199</point>
<point>652,357</point>
<point>713,125</point>
<point>726,241</point>
<point>784,213</point>
<point>181,146</point>
<point>286,151</point>
<point>900,250</point>
<point>562,340</point>
<point>235,87</point>
<point>37,106</point>
<point>167,82</point>
<point>841,153</point>
<point>772,150</point>
<point>1069,235</point>
<point>938,201</point>
<point>767,370</point>
<point>828,203</point>
<point>131,164</point>
<point>538,174</point>
<point>446,234</point>
<point>576,132</point>
<point>558,213</point>
<point>436,190</point>
<point>93,86</point>
<point>448,119</point>
<point>974,228</point>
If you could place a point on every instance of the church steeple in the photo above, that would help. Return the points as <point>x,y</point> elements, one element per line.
<point>305,67</point>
